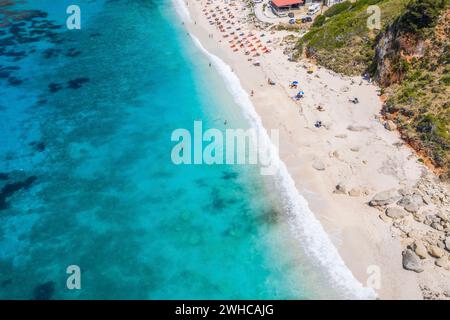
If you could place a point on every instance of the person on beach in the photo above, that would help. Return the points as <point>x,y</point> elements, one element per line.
<point>252,93</point>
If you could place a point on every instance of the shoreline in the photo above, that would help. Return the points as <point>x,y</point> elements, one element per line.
<point>299,211</point>
<point>351,147</point>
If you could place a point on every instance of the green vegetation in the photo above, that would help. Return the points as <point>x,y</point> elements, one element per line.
<point>319,21</point>
<point>420,15</point>
<point>420,102</point>
<point>340,40</point>
<point>338,8</point>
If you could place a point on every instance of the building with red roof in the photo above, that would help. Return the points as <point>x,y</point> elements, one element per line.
<point>283,6</point>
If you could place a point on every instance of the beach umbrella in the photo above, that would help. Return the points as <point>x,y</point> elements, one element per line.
<point>294,82</point>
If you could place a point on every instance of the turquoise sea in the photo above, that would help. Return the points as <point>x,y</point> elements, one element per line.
<point>86,176</point>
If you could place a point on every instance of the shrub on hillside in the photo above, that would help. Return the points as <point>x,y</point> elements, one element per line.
<point>421,14</point>
<point>319,21</point>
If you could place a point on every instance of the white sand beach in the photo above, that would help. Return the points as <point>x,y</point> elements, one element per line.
<point>351,148</point>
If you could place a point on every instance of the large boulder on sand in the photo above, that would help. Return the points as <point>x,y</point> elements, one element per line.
<point>436,252</point>
<point>420,249</point>
<point>443,263</point>
<point>411,203</point>
<point>385,198</point>
<point>411,261</point>
<point>395,212</point>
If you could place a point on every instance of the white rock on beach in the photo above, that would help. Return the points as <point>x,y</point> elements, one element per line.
<point>411,203</point>
<point>411,207</point>
<point>318,165</point>
<point>384,198</point>
<point>395,213</point>
<point>411,261</point>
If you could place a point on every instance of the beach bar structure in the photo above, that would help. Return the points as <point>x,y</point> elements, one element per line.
<point>282,7</point>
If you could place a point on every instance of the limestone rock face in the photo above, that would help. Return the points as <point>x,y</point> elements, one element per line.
<point>411,261</point>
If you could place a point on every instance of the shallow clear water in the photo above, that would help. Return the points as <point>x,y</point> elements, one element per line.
<point>86,174</point>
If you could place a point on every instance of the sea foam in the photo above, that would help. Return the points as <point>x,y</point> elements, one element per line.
<point>182,10</point>
<point>305,226</point>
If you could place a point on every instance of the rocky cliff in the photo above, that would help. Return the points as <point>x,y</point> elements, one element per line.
<point>412,64</point>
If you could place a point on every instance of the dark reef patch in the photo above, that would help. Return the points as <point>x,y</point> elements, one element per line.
<point>201,183</point>
<point>54,87</point>
<point>270,216</point>
<point>6,283</point>
<point>9,189</point>
<point>16,55</point>
<point>21,27</point>
<point>72,53</point>
<point>13,81</point>
<point>38,146</point>
<point>218,202</point>
<point>76,83</point>
<point>41,102</point>
<point>5,72</point>
<point>51,53</point>
<point>44,291</point>
<point>227,175</point>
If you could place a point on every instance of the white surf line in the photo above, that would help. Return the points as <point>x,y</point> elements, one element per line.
<point>182,10</point>
<point>306,227</point>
